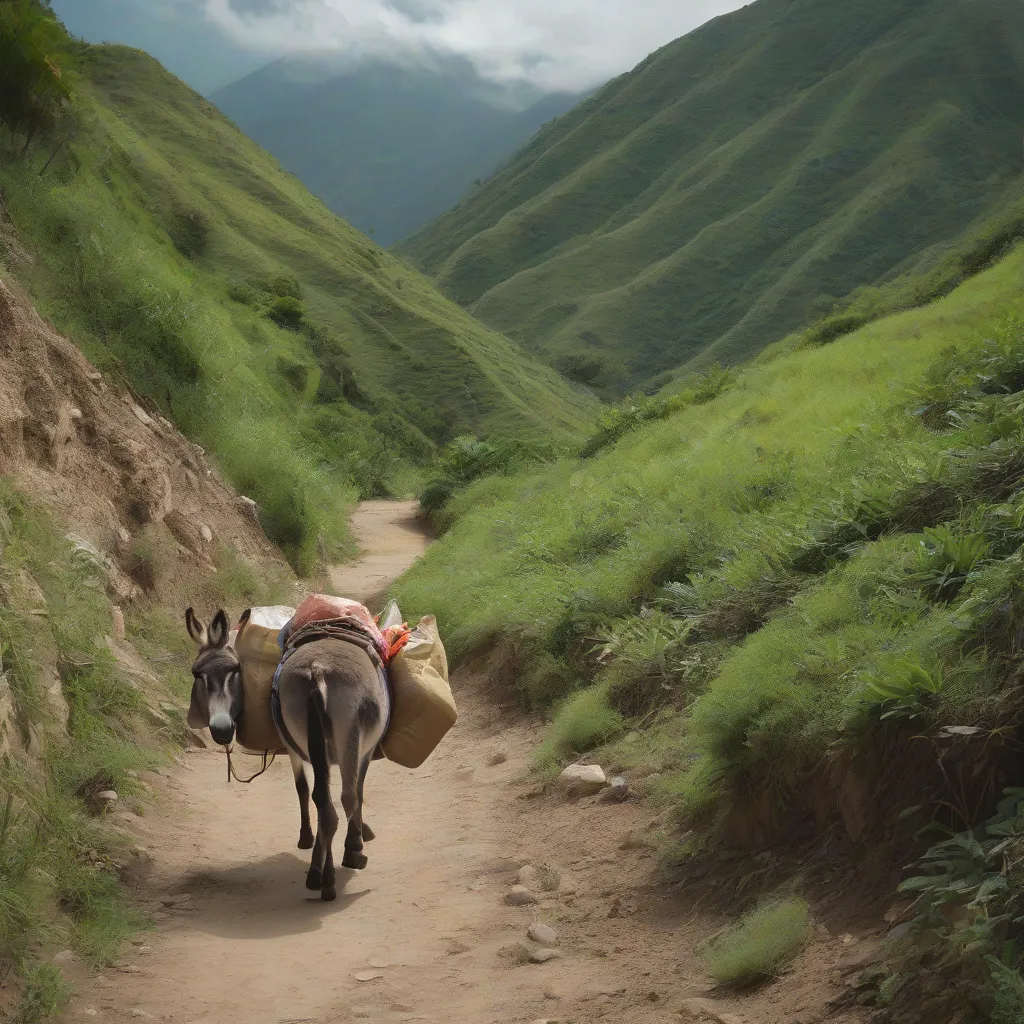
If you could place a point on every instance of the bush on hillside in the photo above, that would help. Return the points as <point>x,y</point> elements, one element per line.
<point>761,946</point>
<point>35,87</point>
<point>190,233</point>
<point>288,312</point>
<point>597,370</point>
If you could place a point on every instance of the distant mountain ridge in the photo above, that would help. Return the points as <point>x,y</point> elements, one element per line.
<point>386,146</point>
<point>741,179</point>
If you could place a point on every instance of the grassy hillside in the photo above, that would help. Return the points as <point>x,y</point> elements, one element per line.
<point>741,179</point>
<point>313,365</point>
<point>387,147</point>
<point>771,597</point>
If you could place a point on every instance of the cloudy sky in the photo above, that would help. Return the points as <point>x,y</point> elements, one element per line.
<point>564,44</point>
<point>556,44</point>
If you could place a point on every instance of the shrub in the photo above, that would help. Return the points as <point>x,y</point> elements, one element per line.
<point>581,723</point>
<point>761,946</point>
<point>34,85</point>
<point>190,233</point>
<point>902,689</point>
<point>294,372</point>
<point>286,287</point>
<point>288,312</point>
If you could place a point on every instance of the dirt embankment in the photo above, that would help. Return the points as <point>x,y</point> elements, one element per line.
<point>106,466</point>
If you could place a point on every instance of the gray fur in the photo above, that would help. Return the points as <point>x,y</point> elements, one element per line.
<point>332,704</point>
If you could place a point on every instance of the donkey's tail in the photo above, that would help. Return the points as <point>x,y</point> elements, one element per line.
<point>346,742</point>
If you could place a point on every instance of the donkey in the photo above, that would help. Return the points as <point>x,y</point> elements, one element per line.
<point>218,701</point>
<point>333,710</point>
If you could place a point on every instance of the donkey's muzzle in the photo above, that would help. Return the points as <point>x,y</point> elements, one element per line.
<point>222,729</point>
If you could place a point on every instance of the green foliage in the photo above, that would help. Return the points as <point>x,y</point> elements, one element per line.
<point>142,232</point>
<point>902,689</point>
<point>759,562</point>
<point>632,413</point>
<point>35,87</point>
<point>59,883</point>
<point>1009,993</point>
<point>287,311</point>
<point>683,213</point>
<point>581,723</point>
<point>761,945</point>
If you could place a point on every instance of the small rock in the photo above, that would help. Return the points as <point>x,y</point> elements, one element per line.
<point>583,779</point>
<point>75,414</point>
<point>543,934</point>
<point>368,976</point>
<point>94,375</point>
<point>519,896</point>
<point>126,537</point>
<point>901,931</point>
<point>142,416</point>
<point>528,876</point>
<point>542,956</point>
<point>143,950</point>
<point>498,758</point>
<point>138,1012</point>
<point>616,793</point>
<point>91,1012</point>
<point>65,956</point>
<point>118,616</point>
<point>107,798</point>
<point>130,969</point>
<point>206,532</point>
<point>248,506</point>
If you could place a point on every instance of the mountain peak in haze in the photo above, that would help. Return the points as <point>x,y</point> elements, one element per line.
<point>387,145</point>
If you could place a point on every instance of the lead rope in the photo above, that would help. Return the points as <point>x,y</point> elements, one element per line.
<point>268,760</point>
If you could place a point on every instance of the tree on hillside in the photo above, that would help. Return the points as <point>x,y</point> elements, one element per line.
<point>35,90</point>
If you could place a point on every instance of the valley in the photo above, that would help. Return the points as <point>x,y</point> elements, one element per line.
<point>699,426</point>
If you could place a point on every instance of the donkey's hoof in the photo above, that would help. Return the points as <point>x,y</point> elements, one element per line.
<point>355,861</point>
<point>306,841</point>
<point>328,894</point>
<point>368,834</point>
<point>314,880</point>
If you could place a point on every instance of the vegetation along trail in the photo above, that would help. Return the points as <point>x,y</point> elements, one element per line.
<point>427,932</point>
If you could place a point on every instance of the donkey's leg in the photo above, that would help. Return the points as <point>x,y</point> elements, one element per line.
<point>302,788</point>
<point>357,831</point>
<point>321,867</point>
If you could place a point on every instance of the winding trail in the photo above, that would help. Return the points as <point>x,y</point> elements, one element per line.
<point>424,934</point>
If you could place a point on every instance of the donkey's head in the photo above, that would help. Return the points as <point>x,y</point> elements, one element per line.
<point>217,689</point>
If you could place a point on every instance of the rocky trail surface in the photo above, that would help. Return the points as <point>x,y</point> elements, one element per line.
<point>487,900</point>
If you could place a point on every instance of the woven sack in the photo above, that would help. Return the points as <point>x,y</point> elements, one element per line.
<point>259,654</point>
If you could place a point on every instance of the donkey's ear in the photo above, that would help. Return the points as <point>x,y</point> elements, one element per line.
<point>196,629</point>
<point>199,709</point>
<point>219,630</point>
<point>244,620</point>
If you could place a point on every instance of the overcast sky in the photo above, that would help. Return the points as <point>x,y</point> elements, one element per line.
<point>556,44</point>
<point>561,44</point>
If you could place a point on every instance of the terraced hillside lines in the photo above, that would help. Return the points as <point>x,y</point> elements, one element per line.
<point>739,180</point>
<point>386,147</point>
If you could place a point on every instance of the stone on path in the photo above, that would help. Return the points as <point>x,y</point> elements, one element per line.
<point>542,933</point>
<point>368,976</point>
<point>617,791</point>
<point>519,896</point>
<point>107,798</point>
<point>583,779</point>
<point>528,876</point>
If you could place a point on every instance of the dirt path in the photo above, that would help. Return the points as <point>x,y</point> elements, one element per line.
<point>424,934</point>
<point>391,537</point>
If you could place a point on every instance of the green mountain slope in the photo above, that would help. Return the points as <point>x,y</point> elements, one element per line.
<point>837,516</point>
<point>386,147</point>
<point>728,188</point>
<point>172,248</point>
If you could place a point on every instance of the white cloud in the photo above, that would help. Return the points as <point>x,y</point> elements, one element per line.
<point>555,44</point>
